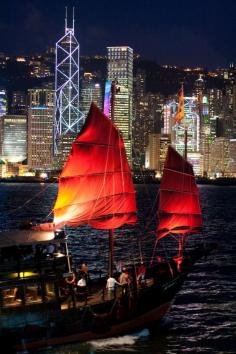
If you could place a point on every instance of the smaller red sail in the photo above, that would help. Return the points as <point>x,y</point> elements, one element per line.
<point>96,186</point>
<point>179,207</point>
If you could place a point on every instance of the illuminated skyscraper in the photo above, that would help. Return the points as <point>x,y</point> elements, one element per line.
<point>68,118</point>
<point>3,103</point>
<point>18,102</point>
<point>91,91</point>
<point>13,137</point>
<point>147,120</point>
<point>40,129</point>
<point>120,68</point>
<point>223,158</point>
<point>169,111</point>
<point>199,86</point>
<point>156,152</point>
<point>192,121</point>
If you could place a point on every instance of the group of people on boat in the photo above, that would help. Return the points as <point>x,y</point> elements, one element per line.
<point>121,283</point>
<point>124,280</point>
<point>76,284</point>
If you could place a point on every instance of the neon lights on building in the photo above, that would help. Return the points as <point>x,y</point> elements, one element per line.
<point>3,103</point>
<point>120,68</point>
<point>68,118</point>
<point>14,137</point>
<point>107,98</point>
<point>40,129</point>
<point>192,121</point>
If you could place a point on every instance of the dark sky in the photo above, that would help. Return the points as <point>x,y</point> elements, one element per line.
<point>193,32</point>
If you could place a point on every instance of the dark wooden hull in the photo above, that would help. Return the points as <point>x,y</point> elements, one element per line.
<point>147,310</point>
<point>110,318</point>
<point>126,327</point>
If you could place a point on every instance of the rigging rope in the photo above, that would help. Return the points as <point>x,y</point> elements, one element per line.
<point>12,211</point>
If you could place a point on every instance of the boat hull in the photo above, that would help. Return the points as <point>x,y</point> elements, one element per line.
<point>150,318</point>
<point>118,316</point>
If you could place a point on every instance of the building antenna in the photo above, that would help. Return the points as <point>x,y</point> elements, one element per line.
<point>66,21</point>
<point>73,19</point>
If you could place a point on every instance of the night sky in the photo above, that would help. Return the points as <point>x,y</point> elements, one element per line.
<point>168,31</point>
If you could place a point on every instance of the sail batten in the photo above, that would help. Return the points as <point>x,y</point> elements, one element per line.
<point>179,207</point>
<point>96,186</point>
<point>96,174</point>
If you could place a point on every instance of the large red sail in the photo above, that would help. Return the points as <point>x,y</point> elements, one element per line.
<point>95,186</point>
<point>179,207</point>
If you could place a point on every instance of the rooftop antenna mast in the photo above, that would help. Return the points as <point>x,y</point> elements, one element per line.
<point>70,29</point>
<point>66,21</point>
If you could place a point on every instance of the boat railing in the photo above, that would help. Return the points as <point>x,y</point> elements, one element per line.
<point>33,263</point>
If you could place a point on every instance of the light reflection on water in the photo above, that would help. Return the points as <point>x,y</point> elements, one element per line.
<point>203,316</point>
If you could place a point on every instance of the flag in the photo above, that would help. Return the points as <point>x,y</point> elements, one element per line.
<point>199,99</point>
<point>180,112</point>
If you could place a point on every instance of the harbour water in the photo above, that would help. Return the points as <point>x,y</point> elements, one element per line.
<point>203,316</point>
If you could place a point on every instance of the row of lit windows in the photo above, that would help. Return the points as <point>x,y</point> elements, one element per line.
<point>28,294</point>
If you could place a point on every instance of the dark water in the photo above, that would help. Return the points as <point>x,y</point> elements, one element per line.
<point>203,316</point>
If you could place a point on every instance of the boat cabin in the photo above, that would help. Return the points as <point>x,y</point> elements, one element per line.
<point>31,268</point>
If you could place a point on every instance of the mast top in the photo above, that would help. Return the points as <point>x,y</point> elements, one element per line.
<point>70,29</point>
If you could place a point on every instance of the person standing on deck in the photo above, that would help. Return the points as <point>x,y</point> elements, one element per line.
<point>124,280</point>
<point>84,268</point>
<point>111,286</point>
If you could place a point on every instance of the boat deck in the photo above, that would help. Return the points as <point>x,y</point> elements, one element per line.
<point>99,296</point>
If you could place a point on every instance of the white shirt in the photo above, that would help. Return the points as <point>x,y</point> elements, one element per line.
<point>111,282</point>
<point>81,282</point>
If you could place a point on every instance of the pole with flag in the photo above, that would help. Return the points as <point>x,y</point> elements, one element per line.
<point>180,112</point>
<point>179,116</point>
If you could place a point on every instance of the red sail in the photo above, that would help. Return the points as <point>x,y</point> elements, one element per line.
<point>179,207</point>
<point>95,186</point>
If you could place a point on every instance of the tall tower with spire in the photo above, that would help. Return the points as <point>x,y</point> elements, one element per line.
<point>68,118</point>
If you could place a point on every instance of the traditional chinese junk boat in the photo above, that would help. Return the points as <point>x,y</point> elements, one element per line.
<point>96,189</point>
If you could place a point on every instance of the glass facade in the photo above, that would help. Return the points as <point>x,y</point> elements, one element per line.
<point>40,129</point>
<point>14,138</point>
<point>120,68</point>
<point>192,122</point>
<point>3,103</point>
<point>91,91</point>
<point>68,118</point>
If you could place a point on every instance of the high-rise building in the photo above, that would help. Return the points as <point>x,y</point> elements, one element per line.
<point>18,102</point>
<point>169,110</point>
<point>147,120</point>
<point>91,91</point>
<point>206,140</point>
<point>68,118</point>
<point>3,102</point>
<point>199,86</point>
<point>141,108</point>
<point>156,152</point>
<point>40,128</point>
<point>223,157</point>
<point>120,68</point>
<point>191,120</point>
<point>13,144</point>
<point>140,84</point>
<point>3,168</point>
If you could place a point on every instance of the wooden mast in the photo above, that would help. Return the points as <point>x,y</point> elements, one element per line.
<point>111,231</point>
<point>183,236</point>
<point>185,142</point>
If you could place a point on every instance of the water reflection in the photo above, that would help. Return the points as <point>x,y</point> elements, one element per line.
<point>203,317</point>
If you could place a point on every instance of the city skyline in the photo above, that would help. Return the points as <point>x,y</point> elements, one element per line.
<point>175,32</point>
